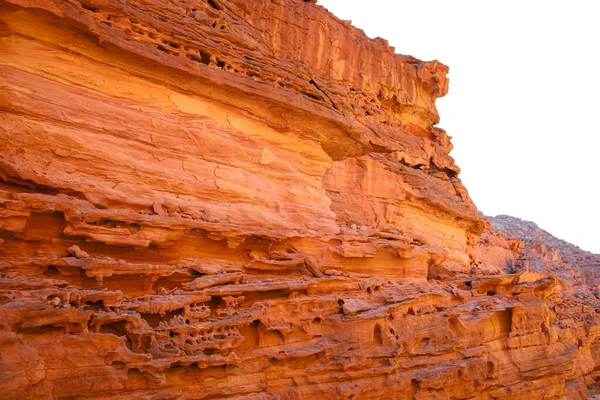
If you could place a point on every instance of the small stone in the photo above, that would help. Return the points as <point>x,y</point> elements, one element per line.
<point>77,252</point>
<point>266,157</point>
<point>159,208</point>
<point>55,301</point>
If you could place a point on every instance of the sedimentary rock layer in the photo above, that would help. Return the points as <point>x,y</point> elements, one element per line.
<point>248,199</point>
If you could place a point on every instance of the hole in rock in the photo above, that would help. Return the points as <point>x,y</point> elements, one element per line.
<point>170,314</point>
<point>312,96</point>
<point>250,333</point>
<point>130,285</point>
<point>172,281</point>
<point>375,289</point>
<point>215,372</point>
<point>146,342</point>
<point>194,58</point>
<point>273,338</point>
<point>300,293</point>
<point>214,4</point>
<point>44,226</point>
<point>377,335</point>
<point>136,377</point>
<point>151,319</point>
<point>52,272</point>
<point>118,365</point>
<point>93,305</point>
<point>193,368</point>
<point>89,7</point>
<point>164,50</point>
<point>266,295</point>
<point>212,351</point>
<point>450,173</point>
<point>489,366</point>
<point>116,328</point>
<point>414,386</point>
<point>41,330</point>
<point>204,57</point>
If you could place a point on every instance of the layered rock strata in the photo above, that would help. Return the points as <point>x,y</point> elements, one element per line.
<point>577,271</point>
<point>248,199</point>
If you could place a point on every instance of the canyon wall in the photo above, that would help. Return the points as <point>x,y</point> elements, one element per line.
<point>204,199</point>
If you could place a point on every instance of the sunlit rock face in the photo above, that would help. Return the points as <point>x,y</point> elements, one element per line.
<point>251,200</point>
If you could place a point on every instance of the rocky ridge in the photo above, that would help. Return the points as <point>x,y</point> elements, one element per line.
<point>251,199</point>
<point>577,271</point>
<point>552,256</point>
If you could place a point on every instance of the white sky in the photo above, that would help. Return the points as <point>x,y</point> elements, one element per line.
<point>523,100</point>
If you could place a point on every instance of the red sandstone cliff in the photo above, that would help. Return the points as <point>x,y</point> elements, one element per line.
<point>249,199</point>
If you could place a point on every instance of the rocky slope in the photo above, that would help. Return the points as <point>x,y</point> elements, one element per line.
<point>577,270</point>
<point>251,199</point>
<point>549,255</point>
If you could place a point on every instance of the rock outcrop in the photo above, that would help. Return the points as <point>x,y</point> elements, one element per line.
<point>251,200</point>
<point>578,307</point>
<point>549,255</point>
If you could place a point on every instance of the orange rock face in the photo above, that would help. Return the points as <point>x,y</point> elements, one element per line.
<point>250,199</point>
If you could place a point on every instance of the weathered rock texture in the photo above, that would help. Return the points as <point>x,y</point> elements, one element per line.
<point>549,255</point>
<point>577,270</point>
<point>250,199</point>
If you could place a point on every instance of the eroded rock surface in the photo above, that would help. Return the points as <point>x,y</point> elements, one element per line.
<point>251,200</point>
<point>577,270</point>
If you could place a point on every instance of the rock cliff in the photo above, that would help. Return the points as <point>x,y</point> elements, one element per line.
<point>209,199</point>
